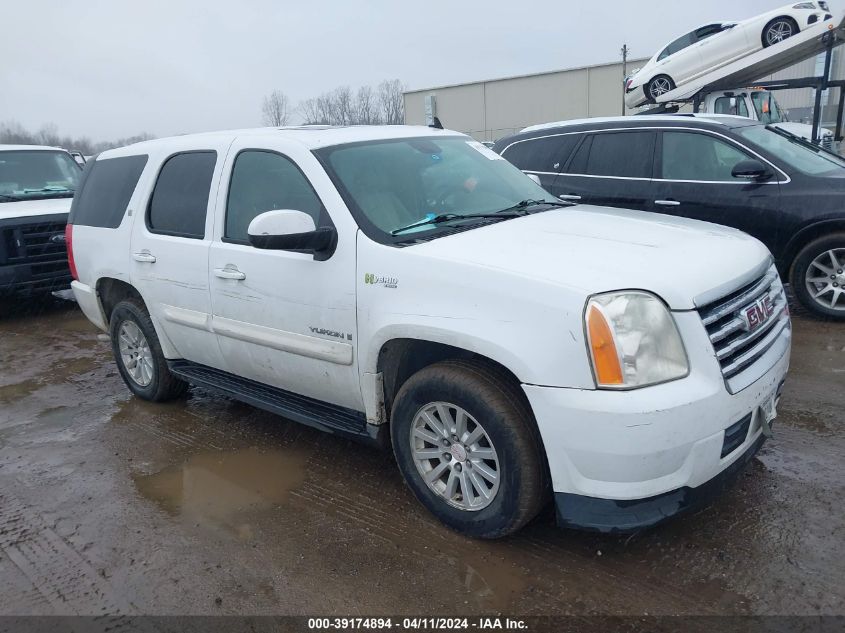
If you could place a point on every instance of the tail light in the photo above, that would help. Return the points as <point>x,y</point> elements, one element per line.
<point>69,245</point>
<point>628,83</point>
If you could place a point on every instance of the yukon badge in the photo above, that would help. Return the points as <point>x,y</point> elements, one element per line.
<point>758,313</point>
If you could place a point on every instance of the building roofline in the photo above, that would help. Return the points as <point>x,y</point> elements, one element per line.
<point>524,76</point>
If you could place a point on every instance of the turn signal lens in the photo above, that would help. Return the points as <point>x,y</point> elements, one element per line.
<point>605,358</point>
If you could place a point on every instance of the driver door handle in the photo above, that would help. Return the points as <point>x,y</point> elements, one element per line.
<point>569,196</point>
<point>667,203</point>
<point>145,257</point>
<point>229,273</point>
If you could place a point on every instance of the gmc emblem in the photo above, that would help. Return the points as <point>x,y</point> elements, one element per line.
<point>757,313</point>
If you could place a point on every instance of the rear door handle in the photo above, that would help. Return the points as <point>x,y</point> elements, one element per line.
<point>569,196</point>
<point>667,203</point>
<point>145,257</point>
<point>229,273</point>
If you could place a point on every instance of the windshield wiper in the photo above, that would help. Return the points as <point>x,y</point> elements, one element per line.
<point>518,210</point>
<point>453,217</point>
<point>49,189</point>
<point>800,140</point>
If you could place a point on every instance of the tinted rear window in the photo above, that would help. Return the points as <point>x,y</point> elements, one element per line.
<point>106,188</point>
<point>546,154</point>
<point>618,154</point>
<point>180,199</point>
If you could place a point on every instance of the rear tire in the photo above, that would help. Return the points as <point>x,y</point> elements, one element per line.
<point>818,276</point>
<point>461,423</point>
<point>658,86</point>
<point>138,354</point>
<point>779,30</point>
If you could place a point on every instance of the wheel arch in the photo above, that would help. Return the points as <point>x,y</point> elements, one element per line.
<point>400,358</point>
<point>786,262</point>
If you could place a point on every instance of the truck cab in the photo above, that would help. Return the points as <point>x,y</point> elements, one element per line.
<point>760,105</point>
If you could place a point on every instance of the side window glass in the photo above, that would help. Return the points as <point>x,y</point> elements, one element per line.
<point>547,154</point>
<point>578,165</point>
<point>707,31</point>
<point>266,181</point>
<point>699,157</point>
<point>105,192</point>
<point>723,106</point>
<point>678,45</point>
<point>620,154</point>
<point>179,202</point>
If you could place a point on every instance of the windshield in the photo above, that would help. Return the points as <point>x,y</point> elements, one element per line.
<point>392,184</point>
<point>798,154</point>
<point>29,174</point>
<point>767,108</point>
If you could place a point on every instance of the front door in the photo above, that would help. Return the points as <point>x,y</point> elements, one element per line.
<point>283,318</point>
<point>610,169</point>
<point>169,253</point>
<point>695,181</point>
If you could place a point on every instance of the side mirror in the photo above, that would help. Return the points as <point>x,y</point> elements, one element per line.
<point>534,177</point>
<point>289,230</point>
<point>751,170</point>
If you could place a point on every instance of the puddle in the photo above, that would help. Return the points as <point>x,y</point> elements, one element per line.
<point>225,488</point>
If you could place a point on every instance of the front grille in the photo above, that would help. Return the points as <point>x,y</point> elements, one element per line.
<point>38,244</point>
<point>739,338</point>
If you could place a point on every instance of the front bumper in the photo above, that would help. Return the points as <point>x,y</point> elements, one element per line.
<point>648,451</point>
<point>34,279</point>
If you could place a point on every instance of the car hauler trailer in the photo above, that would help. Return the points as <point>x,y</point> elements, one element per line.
<point>768,61</point>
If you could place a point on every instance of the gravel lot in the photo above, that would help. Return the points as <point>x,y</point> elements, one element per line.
<point>207,506</point>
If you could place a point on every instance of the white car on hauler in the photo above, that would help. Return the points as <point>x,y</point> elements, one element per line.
<point>410,287</point>
<point>718,44</point>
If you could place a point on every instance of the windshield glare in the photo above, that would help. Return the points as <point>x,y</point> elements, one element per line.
<point>813,162</point>
<point>28,174</point>
<point>395,183</point>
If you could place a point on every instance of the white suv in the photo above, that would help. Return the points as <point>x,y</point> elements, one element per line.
<point>406,285</point>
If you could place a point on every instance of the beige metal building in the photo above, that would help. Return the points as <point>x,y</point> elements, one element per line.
<point>489,110</point>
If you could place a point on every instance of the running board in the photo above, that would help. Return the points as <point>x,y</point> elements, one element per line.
<point>315,413</point>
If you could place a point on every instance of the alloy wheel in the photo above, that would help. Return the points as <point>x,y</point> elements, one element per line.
<point>778,32</point>
<point>135,353</point>
<point>660,87</point>
<point>825,279</point>
<point>455,456</point>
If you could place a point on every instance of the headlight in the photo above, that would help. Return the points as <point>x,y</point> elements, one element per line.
<point>633,341</point>
<point>805,5</point>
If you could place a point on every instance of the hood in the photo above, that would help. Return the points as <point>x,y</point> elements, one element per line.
<point>801,129</point>
<point>598,249</point>
<point>30,208</point>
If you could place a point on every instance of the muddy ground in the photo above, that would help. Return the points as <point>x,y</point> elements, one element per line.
<point>207,506</point>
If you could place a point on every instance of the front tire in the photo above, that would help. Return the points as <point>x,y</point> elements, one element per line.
<point>657,87</point>
<point>138,354</point>
<point>818,276</point>
<point>779,30</point>
<point>468,447</point>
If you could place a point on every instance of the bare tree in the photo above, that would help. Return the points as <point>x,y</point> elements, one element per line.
<point>14,133</point>
<point>275,111</point>
<point>310,112</point>
<point>366,107</point>
<point>392,101</point>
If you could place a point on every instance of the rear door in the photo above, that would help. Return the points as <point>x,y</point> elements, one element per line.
<point>169,251</point>
<point>543,156</point>
<point>693,179</point>
<point>610,168</point>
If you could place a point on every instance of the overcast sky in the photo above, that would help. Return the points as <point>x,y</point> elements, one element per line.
<point>114,68</point>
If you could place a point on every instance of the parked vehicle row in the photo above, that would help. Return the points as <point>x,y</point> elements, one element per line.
<point>732,171</point>
<point>411,287</point>
<point>36,187</point>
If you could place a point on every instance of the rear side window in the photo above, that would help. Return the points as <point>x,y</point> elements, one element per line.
<point>547,154</point>
<point>107,186</point>
<point>266,181</point>
<point>678,45</point>
<point>616,154</point>
<point>723,106</point>
<point>179,202</point>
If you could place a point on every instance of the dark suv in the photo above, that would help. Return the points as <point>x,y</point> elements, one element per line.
<point>779,188</point>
